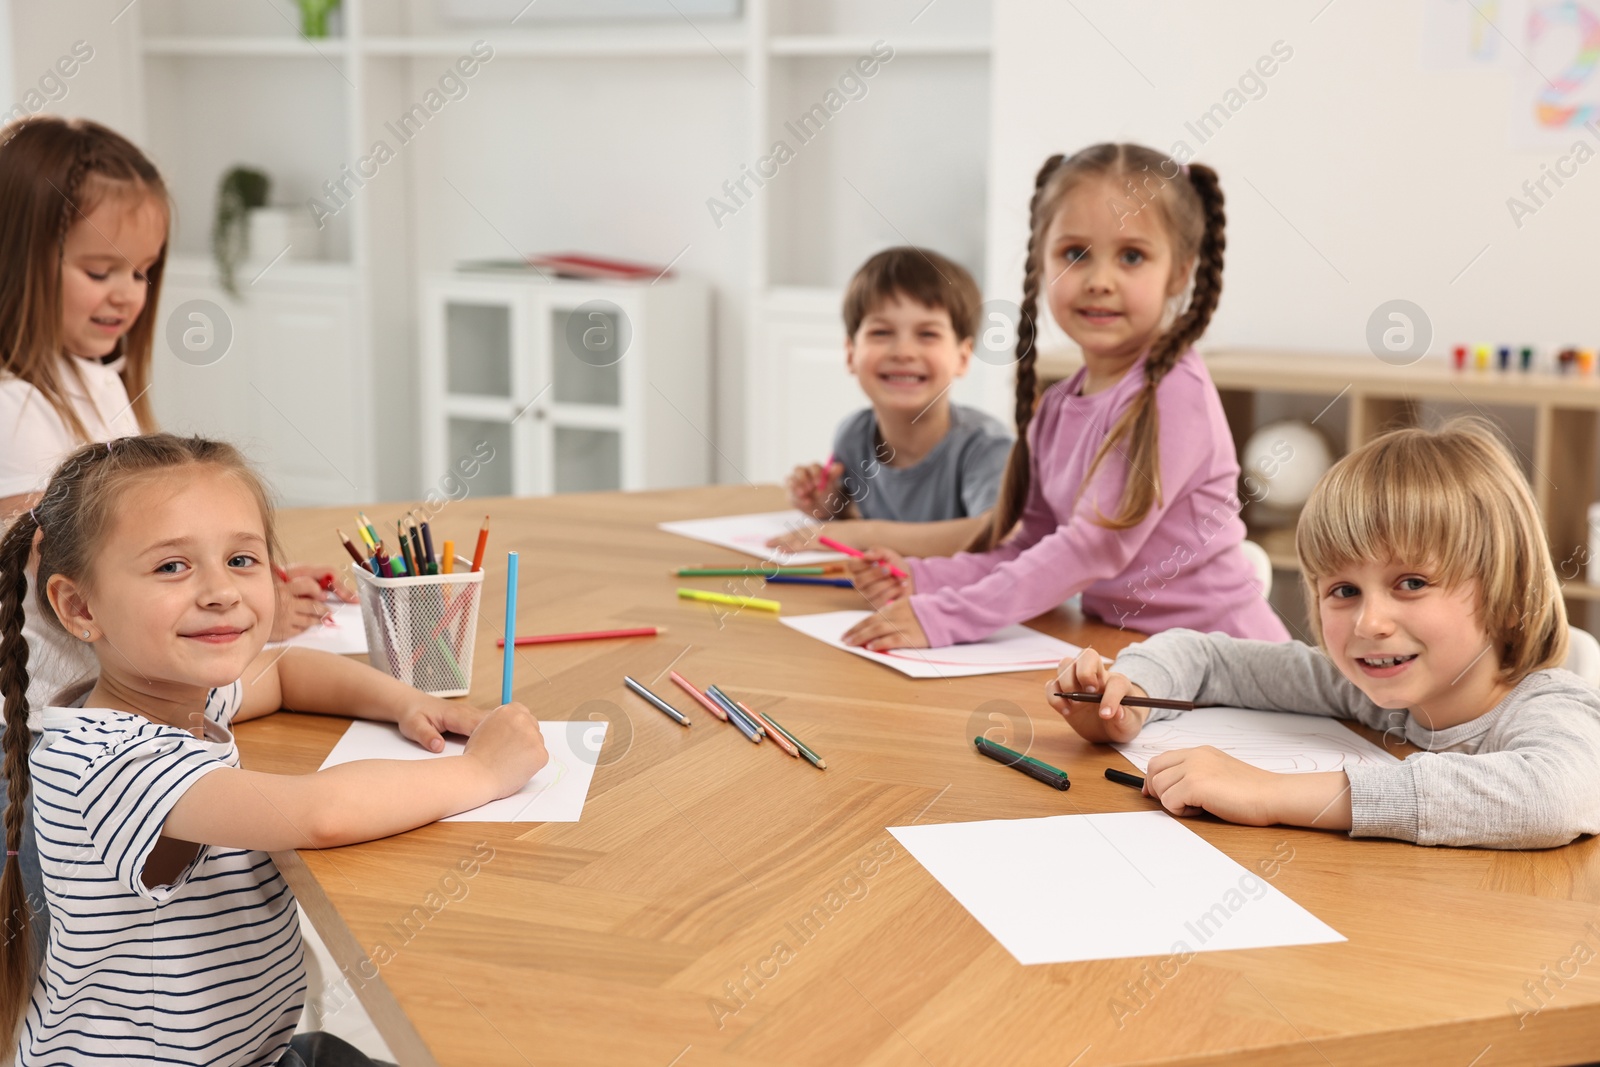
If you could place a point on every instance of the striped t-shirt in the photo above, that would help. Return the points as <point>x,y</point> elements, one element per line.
<point>205,969</point>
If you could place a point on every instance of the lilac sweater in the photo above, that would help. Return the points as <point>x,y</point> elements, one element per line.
<point>1181,566</point>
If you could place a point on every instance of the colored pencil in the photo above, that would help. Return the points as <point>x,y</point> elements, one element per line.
<point>761,721</point>
<point>1133,701</point>
<point>751,731</point>
<point>511,625</point>
<point>447,565</point>
<point>372,531</point>
<point>700,698</point>
<point>735,713</point>
<point>591,635</point>
<point>785,579</point>
<point>811,757</point>
<point>857,554</point>
<point>735,601</point>
<point>385,567</point>
<point>427,545</point>
<point>656,702</point>
<point>355,553</point>
<point>483,541</point>
<point>747,572</point>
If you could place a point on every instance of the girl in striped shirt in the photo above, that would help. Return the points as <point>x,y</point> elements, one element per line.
<point>173,938</point>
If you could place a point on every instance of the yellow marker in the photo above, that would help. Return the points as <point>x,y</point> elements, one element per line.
<point>724,598</point>
<point>448,564</point>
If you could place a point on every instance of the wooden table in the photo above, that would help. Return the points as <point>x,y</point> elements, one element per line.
<point>625,938</point>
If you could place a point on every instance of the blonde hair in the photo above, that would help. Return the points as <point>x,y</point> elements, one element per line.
<point>1451,500</point>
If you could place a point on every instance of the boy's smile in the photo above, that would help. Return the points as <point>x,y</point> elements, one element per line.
<point>1407,642</point>
<point>906,356</point>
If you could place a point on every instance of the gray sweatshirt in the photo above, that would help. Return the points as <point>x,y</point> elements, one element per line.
<point>1524,775</point>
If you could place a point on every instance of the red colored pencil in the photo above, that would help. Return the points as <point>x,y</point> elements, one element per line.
<point>592,635</point>
<point>857,554</point>
<point>705,701</point>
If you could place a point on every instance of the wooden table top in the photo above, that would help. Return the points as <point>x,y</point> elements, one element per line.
<point>668,926</point>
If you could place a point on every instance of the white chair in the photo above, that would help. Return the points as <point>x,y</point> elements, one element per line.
<point>1583,655</point>
<point>1262,564</point>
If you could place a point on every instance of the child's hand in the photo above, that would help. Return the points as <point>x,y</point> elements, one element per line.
<point>327,579</point>
<point>509,746</point>
<point>857,533</point>
<point>300,606</point>
<point>1106,721</point>
<point>875,581</point>
<point>1194,780</point>
<point>810,488</point>
<point>430,718</point>
<point>892,626</point>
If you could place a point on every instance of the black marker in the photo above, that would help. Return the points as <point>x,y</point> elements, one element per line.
<point>1124,778</point>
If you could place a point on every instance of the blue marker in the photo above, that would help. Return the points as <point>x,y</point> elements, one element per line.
<point>511,625</point>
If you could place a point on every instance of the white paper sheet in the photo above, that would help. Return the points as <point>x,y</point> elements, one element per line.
<point>750,533</point>
<point>1092,887</point>
<point>341,633</point>
<point>555,794</point>
<point>1272,740</point>
<point>1016,648</point>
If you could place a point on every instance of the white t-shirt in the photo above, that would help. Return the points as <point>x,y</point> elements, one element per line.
<point>205,969</point>
<point>33,442</point>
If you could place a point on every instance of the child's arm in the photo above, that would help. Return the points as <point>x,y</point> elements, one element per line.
<point>1216,669</point>
<point>358,801</point>
<point>303,679</point>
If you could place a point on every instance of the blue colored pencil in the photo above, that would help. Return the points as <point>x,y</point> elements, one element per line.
<point>787,579</point>
<point>511,626</point>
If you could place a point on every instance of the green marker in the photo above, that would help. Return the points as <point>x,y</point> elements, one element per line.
<point>1050,776</point>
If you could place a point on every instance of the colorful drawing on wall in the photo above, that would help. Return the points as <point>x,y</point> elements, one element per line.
<point>1472,34</point>
<point>1557,96</point>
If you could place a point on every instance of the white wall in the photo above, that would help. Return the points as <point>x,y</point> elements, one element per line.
<point>106,88</point>
<point>1359,176</point>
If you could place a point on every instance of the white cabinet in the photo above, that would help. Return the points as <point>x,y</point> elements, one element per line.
<point>280,374</point>
<point>575,386</point>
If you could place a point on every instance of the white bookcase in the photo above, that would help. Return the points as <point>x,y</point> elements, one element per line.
<point>605,136</point>
<point>575,386</point>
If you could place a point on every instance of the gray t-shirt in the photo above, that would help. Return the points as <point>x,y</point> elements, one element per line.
<point>1524,775</point>
<point>959,477</point>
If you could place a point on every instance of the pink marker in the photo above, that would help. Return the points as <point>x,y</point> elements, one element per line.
<point>827,472</point>
<point>854,554</point>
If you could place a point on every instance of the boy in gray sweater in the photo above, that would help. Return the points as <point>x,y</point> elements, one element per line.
<point>1438,617</point>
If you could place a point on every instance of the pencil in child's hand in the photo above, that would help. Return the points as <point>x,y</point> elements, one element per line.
<point>857,554</point>
<point>483,541</point>
<point>1132,701</point>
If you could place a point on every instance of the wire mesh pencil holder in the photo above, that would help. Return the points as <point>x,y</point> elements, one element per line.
<point>421,629</point>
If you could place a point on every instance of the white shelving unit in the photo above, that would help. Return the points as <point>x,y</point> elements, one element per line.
<point>575,386</point>
<point>642,119</point>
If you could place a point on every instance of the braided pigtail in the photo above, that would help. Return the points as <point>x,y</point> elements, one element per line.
<point>1016,482</point>
<point>1140,423</point>
<point>18,968</point>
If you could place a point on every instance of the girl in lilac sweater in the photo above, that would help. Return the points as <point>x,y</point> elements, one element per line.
<point>1123,485</point>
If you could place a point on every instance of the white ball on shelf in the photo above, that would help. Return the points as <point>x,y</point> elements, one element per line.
<point>1286,460</point>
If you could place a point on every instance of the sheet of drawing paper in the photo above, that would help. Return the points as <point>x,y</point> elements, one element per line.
<point>1016,648</point>
<point>1091,887</point>
<point>1271,740</point>
<point>341,632</point>
<point>750,533</point>
<point>555,794</point>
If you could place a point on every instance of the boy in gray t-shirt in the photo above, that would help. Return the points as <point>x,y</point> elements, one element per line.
<point>913,472</point>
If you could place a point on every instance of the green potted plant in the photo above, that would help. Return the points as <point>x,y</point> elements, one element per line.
<point>242,188</point>
<point>314,16</point>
